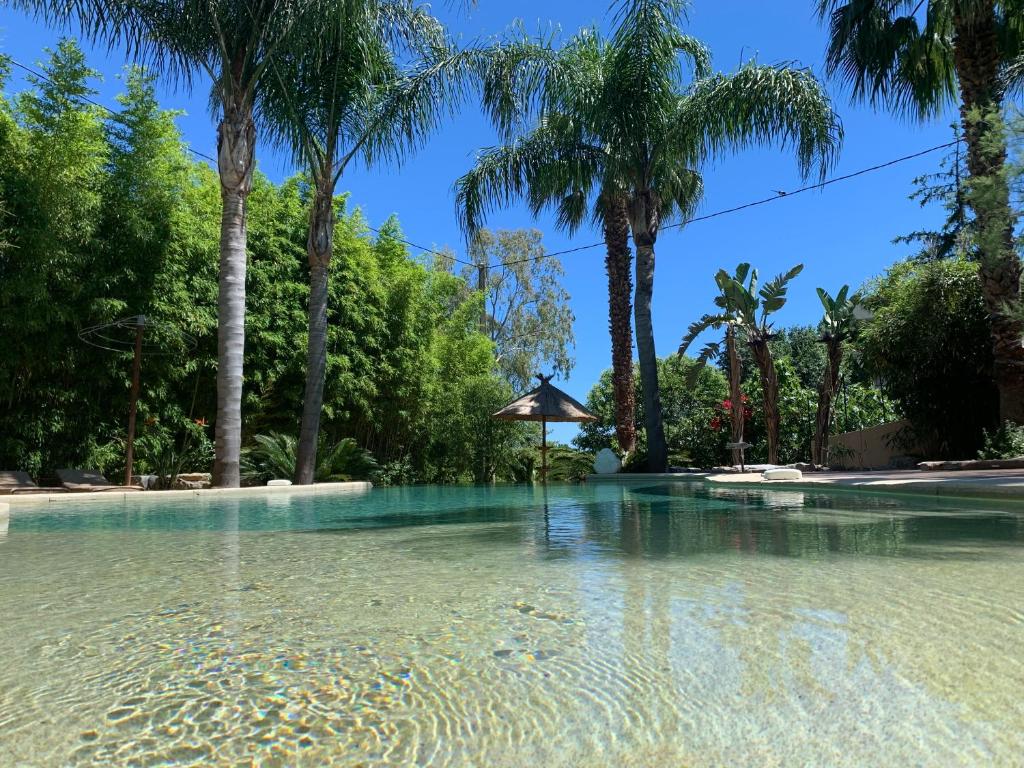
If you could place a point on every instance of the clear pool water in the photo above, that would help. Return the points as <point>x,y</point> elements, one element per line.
<point>644,625</point>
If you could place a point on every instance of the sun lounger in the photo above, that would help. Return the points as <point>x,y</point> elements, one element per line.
<point>83,481</point>
<point>12,482</point>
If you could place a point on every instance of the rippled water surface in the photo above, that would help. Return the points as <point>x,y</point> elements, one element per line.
<point>608,625</point>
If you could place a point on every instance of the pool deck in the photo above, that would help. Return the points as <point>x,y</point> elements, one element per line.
<point>22,500</point>
<point>1004,484</point>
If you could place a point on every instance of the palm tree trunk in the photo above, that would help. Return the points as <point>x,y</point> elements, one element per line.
<point>236,139</point>
<point>644,222</point>
<point>735,392</point>
<point>618,264</point>
<point>976,54</point>
<point>770,385</point>
<point>826,392</point>
<point>319,248</point>
<point>657,451</point>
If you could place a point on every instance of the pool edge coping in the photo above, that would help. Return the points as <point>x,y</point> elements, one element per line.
<point>23,500</point>
<point>990,488</point>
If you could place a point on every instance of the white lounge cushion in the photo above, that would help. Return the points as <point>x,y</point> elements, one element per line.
<point>278,482</point>
<point>782,473</point>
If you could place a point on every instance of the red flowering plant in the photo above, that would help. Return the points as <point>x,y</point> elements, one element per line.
<point>723,413</point>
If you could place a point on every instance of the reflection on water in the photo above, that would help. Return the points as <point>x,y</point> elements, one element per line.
<point>614,625</point>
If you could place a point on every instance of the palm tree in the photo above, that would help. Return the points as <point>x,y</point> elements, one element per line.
<point>625,124</point>
<point>748,310</point>
<point>535,167</point>
<point>338,95</point>
<point>838,326</point>
<point>234,43</point>
<point>727,317</point>
<point>916,56</point>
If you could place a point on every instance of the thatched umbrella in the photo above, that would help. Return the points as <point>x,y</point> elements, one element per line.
<point>545,403</point>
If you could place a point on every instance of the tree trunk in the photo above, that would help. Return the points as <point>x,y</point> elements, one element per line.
<point>236,138</point>
<point>826,392</point>
<point>644,222</point>
<point>770,385</point>
<point>319,248</point>
<point>977,57</point>
<point>735,392</point>
<point>618,264</point>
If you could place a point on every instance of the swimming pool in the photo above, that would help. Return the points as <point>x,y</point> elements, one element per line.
<point>638,624</point>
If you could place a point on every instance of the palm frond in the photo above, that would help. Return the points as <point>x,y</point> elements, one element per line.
<point>758,105</point>
<point>773,293</point>
<point>882,51</point>
<point>696,328</point>
<point>545,167</point>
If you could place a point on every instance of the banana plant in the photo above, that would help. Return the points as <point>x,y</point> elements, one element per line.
<point>837,326</point>
<point>726,317</point>
<point>746,310</point>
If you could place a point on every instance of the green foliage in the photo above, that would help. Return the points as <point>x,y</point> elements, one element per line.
<point>108,217</point>
<point>166,452</point>
<point>948,188</point>
<point>569,465</point>
<point>1006,442</point>
<point>273,456</point>
<point>904,53</point>
<point>858,405</point>
<point>927,343</point>
<point>839,322</point>
<point>526,311</point>
<point>801,345</point>
<point>691,399</point>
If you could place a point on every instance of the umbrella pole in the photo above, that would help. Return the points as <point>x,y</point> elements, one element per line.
<point>132,407</point>
<point>544,451</point>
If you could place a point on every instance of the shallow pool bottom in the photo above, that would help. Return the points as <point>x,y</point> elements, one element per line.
<point>637,625</point>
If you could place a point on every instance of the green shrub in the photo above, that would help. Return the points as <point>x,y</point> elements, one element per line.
<point>274,456</point>
<point>1006,442</point>
<point>569,465</point>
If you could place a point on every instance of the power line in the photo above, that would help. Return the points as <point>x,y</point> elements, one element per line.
<point>42,76</point>
<point>778,196</point>
<point>819,185</point>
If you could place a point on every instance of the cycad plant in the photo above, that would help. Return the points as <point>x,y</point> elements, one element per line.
<point>748,308</point>
<point>340,94</point>
<point>621,134</point>
<point>918,56</point>
<point>726,317</point>
<point>273,456</point>
<point>837,327</point>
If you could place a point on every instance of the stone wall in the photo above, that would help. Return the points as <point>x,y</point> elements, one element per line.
<point>881,447</point>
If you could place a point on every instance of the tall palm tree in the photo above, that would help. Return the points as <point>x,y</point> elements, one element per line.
<point>726,317</point>
<point>336,96</point>
<point>553,165</point>
<point>234,43</point>
<point>917,56</point>
<point>837,326</point>
<point>627,123</point>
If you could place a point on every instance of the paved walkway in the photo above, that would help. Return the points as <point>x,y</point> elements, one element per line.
<point>992,483</point>
<point>1006,484</point>
<point>25,500</point>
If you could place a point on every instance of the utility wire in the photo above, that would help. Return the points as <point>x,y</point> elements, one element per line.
<point>41,76</point>
<point>679,225</point>
<point>778,196</point>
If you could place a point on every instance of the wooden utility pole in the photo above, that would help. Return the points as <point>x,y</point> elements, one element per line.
<point>140,325</point>
<point>481,285</point>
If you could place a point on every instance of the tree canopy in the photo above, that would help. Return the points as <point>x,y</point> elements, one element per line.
<point>410,376</point>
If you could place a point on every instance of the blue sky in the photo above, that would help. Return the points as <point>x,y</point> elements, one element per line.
<point>842,234</point>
